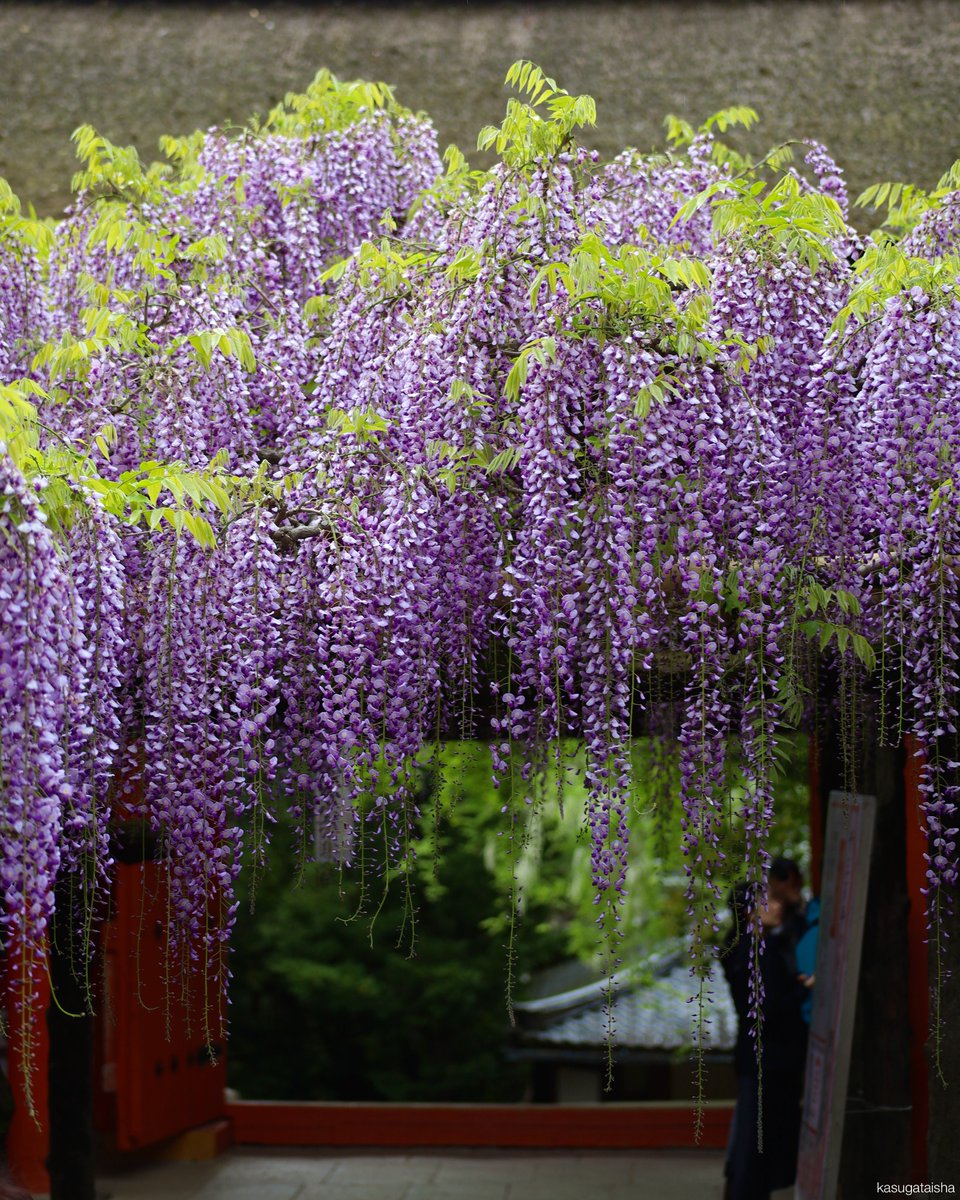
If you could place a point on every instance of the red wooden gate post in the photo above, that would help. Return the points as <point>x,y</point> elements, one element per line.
<point>28,1140</point>
<point>156,1075</point>
<point>817,817</point>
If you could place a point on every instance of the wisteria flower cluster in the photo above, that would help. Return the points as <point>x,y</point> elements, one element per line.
<point>346,452</point>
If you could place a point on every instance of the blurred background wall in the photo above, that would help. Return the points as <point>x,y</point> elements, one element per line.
<point>877,80</point>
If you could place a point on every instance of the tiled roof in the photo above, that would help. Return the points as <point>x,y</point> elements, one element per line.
<point>655,1015</point>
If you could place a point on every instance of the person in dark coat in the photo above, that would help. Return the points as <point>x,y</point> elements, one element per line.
<point>802,921</point>
<point>762,1156</point>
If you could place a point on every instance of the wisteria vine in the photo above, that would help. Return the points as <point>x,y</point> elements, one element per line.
<point>318,448</point>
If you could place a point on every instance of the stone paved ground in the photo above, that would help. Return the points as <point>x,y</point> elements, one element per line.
<point>450,1175</point>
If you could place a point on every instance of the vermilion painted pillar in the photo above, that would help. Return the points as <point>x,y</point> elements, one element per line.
<point>28,1142</point>
<point>817,820</point>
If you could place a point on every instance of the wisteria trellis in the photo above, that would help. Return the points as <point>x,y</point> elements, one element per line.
<point>315,450</point>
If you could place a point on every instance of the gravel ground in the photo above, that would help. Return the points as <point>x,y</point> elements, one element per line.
<point>878,80</point>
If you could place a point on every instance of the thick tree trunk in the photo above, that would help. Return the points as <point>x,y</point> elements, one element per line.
<point>71,1161</point>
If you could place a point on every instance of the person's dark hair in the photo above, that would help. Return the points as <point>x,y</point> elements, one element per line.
<point>782,869</point>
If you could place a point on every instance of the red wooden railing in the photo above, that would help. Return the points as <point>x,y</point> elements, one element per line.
<point>624,1126</point>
